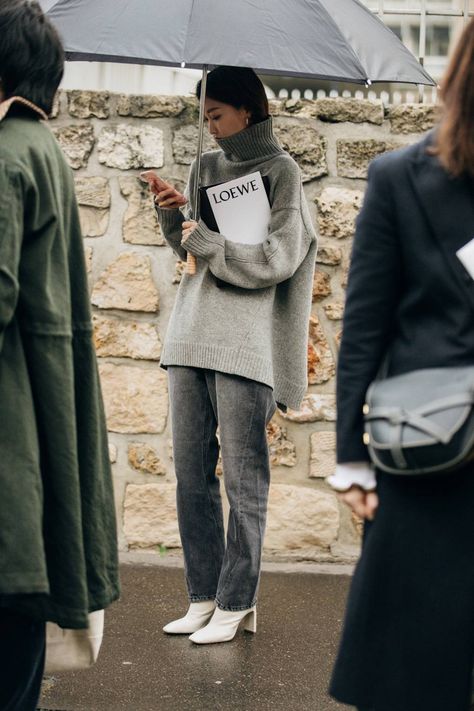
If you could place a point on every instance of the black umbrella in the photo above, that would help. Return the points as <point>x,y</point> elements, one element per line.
<point>321,39</point>
<point>326,39</point>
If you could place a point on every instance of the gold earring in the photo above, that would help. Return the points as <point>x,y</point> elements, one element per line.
<point>247,121</point>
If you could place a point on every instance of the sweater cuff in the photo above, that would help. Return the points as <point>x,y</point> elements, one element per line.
<point>203,242</point>
<point>168,218</point>
<point>353,474</point>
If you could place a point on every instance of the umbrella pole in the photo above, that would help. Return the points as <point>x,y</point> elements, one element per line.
<point>191,259</point>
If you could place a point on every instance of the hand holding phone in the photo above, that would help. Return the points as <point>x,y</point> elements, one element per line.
<point>166,196</point>
<point>154,181</point>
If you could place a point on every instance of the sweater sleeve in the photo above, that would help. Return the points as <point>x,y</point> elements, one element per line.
<point>171,221</point>
<point>372,298</point>
<point>11,237</point>
<point>277,258</point>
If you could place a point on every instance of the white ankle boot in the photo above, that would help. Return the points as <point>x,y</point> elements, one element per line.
<point>224,624</point>
<point>198,615</point>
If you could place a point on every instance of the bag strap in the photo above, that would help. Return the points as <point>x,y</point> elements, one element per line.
<point>398,418</point>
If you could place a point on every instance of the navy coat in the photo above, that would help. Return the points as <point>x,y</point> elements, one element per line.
<point>408,643</point>
<point>407,290</point>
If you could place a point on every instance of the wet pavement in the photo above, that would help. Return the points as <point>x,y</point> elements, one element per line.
<point>284,667</point>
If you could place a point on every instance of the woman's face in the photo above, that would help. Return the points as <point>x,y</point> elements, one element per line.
<point>223,119</point>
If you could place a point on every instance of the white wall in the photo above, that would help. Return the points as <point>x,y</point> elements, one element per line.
<point>129,78</point>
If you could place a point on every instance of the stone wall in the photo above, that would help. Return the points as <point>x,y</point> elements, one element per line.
<point>108,139</point>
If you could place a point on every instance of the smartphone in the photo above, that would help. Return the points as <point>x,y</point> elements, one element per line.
<point>154,180</point>
<point>157,185</point>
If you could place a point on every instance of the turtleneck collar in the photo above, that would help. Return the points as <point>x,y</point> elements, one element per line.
<point>256,141</point>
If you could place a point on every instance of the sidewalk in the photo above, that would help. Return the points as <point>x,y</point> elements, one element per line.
<point>284,667</point>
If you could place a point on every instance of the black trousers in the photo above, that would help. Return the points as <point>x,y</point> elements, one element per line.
<point>22,648</point>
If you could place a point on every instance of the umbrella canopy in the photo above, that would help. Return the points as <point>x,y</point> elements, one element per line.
<point>322,39</point>
<point>325,39</point>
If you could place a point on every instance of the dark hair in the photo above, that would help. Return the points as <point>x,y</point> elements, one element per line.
<point>238,87</point>
<point>454,142</point>
<point>31,53</point>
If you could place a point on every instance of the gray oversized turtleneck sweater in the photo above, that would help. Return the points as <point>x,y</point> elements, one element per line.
<point>246,310</point>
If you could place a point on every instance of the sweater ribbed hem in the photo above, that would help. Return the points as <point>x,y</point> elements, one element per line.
<point>235,362</point>
<point>289,393</point>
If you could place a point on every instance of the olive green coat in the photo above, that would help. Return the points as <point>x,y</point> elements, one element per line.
<point>58,553</point>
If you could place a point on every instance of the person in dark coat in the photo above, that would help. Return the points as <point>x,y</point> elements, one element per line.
<point>408,638</point>
<point>58,553</point>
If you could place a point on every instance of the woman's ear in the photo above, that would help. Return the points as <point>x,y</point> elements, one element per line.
<point>246,115</point>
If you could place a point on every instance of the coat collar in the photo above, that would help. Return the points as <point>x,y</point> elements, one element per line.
<point>446,202</point>
<point>6,105</point>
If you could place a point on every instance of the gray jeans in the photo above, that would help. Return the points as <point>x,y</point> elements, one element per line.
<point>201,400</point>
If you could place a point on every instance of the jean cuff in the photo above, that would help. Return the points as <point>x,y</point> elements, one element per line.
<point>235,608</point>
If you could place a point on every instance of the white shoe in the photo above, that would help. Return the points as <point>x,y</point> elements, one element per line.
<point>224,625</point>
<point>198,615</point>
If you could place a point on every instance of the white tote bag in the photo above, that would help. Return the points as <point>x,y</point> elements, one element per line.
<point>72,650</point>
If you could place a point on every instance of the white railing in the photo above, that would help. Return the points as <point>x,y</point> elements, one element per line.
<point>395,96</point>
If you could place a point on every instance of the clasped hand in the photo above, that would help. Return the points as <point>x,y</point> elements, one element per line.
<point>363,503</point>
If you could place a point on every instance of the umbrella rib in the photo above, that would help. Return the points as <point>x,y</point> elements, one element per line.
<point>344,39</point>
<point>191,12</point>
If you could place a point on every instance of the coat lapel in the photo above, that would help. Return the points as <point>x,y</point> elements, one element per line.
<point>448,205</point>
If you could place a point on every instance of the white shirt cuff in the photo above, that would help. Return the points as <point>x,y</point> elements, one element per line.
<point>353,474</point>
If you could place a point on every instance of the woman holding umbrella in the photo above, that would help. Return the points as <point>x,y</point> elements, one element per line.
<point>408,642</point>
<point>236,345</point>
